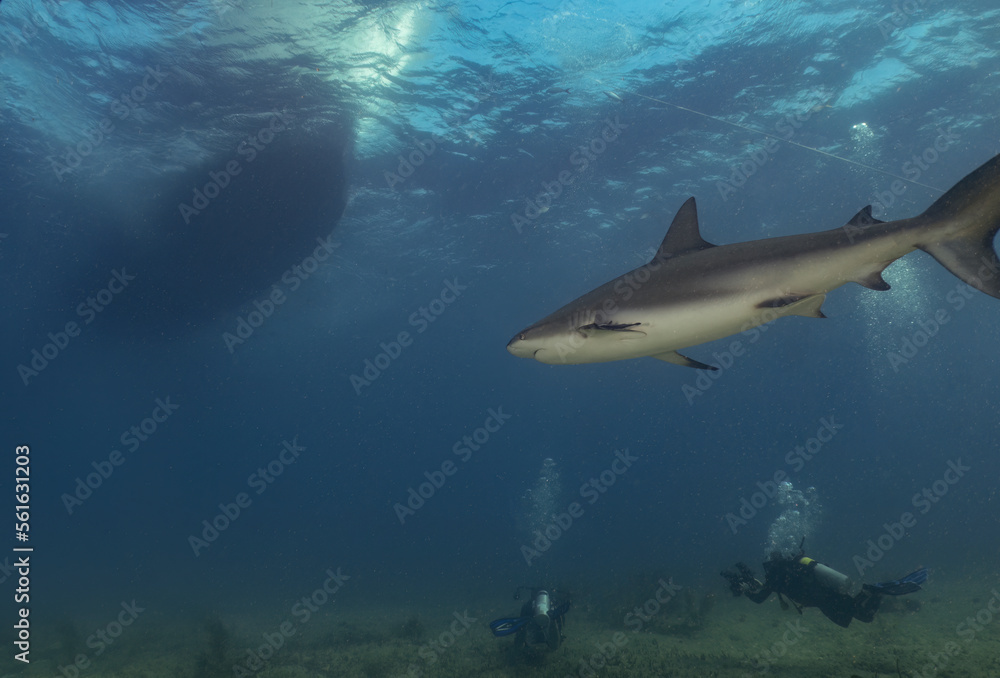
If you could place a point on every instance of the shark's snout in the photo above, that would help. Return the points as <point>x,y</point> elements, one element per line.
<point>516,347</point>
<point>525,345</point>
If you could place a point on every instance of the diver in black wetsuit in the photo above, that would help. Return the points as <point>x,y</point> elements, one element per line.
<point>541,622</point>
<point>808,583</point>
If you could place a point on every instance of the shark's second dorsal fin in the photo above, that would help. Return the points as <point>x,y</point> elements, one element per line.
<point>864,218</point>
<point>683,235</point>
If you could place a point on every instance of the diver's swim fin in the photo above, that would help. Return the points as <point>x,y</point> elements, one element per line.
<point>900,587</point>
<point>507,626</point>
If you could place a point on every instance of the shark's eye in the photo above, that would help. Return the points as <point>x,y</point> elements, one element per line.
<point>522,336</point>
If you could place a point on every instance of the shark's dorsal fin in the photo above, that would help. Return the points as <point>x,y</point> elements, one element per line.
<point>683,235</point>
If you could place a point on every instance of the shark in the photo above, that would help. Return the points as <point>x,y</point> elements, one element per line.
<point>693,292</point>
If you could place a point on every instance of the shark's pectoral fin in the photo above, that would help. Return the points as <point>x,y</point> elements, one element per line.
<point>806,305</point>
<point>678,359</point>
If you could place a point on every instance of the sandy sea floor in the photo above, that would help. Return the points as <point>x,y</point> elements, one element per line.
<point>697,633</point>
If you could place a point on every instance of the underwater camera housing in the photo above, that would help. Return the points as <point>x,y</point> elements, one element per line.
<point>741,580</point>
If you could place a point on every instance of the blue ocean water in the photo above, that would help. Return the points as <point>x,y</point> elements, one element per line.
<point>261,262</point>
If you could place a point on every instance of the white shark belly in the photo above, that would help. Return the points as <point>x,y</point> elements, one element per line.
<point>672,329</point>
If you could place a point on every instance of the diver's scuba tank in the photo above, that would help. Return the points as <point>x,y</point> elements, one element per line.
<point>540,609</point>
<point>830,578</point>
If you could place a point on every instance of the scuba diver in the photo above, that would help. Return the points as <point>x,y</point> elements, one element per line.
<point>541,622</point>
<point>808,583</point>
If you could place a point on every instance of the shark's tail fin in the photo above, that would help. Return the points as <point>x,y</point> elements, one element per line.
<point>974,202</point>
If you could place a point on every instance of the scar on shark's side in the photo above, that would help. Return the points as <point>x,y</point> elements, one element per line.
<point>693,292</point>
